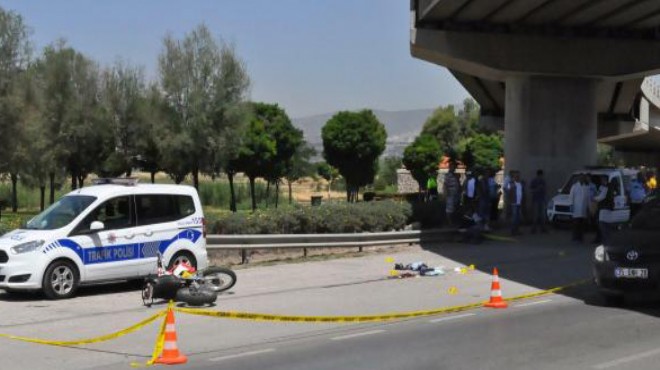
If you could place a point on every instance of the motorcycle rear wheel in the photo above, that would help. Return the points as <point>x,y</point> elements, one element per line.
<point>196,296</point>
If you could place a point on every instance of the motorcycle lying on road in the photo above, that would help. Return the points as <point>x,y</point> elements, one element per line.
<point>183,283</point>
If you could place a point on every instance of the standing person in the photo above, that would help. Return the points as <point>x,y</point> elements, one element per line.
<point>494,194</point>
<point>606,205</point>
<point>515,195</point>
<point>431,188</point>
<point>470,192</point>
<point>599,199</point>
<point>579,196</point>
<point>451,188</point>
<point>483,199</point>
<point>538,189</point>
<point>637,193</point>
<point>592,218</point>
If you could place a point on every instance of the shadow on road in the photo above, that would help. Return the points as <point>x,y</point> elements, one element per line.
<point>543,261</point>
<point>83,291</point>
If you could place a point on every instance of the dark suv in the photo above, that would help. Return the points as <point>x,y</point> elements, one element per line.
<point>630,262</point>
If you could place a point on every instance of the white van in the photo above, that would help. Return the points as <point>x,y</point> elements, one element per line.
<point>560,208</point>
<point>113,230</point>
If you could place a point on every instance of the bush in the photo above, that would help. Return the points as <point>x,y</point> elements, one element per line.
<point>12,221</point>
<point>326,218</point>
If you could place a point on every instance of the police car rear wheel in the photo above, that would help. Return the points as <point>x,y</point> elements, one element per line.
<point>182,257</point>
<point>60,280</point>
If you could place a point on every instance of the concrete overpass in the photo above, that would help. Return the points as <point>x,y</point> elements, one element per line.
<point>558,75</point>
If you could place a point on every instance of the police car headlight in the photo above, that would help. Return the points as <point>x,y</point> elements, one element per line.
<point>551,205</point>
<point>27,247</point>
<point>599,253</point>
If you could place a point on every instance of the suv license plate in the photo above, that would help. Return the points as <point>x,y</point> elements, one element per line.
<point>628,273</point>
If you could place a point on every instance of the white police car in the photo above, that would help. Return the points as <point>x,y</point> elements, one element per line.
<point>560,207</point>
<point>110,231</point>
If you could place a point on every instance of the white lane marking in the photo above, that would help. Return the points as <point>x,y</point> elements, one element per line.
<point>623,360</point>
<point>533,303</point>
<point>452,317</point>
<point>348,336</point>
<point>244,354</point>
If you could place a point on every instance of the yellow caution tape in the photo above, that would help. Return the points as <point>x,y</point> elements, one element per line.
<point>547,291</point>
<point>158,348</point>
<point>160,342</point>
<point>500,238</point>
<point>359,319</point>
<point>102,338</point>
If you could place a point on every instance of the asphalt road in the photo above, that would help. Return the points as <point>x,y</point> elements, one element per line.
<point>552,332</point>
<point>570,330</point>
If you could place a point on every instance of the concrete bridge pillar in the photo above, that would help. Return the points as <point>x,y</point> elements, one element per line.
<point>550,123</point>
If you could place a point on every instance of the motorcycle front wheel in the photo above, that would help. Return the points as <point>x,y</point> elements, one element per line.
<point>219,278</point>
<point>196,296</point>
<point>148,293</point>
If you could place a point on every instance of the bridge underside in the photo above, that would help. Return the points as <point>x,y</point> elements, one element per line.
<point>556,75</point>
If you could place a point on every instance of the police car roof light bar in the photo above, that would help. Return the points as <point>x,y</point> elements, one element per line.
<point>126,181</point>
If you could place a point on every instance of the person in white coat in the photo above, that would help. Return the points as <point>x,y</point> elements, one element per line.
<point>579,196</point>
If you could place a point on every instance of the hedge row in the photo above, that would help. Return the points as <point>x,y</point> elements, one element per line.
<point>326,218</point>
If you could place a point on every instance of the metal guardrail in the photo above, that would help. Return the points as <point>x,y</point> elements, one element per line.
<point>243,243</point>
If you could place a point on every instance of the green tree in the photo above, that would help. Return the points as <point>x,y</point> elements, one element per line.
<point>124,100</point>
<point>153,114</point>
<point>421,158</point>
<point>255,154</point>
<point>38,160</point>
<point>450,127</point>
<point>299,166</point>
<point>14,57</point>
<point>482,152</point>
<point>387,172</point>
<point>202,80</point>
<point>77,125</point>
<point>287,140</point>
<point>443,125</point>
<point>327,172</point>
<point>352,143</point>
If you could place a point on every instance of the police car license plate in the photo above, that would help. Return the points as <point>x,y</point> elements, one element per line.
<point>628,273</point>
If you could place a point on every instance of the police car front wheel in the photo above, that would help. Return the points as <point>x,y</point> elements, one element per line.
<point>60,280</point>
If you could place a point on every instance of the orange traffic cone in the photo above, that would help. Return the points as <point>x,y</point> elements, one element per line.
<point>496,300</point>
<point>170,354</point>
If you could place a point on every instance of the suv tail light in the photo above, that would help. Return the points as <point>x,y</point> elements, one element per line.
<point>204,227</point>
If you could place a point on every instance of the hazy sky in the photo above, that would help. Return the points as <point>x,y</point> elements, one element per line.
<point>310,56</point>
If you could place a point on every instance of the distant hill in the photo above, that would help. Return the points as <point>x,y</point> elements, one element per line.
<point>402,127</point>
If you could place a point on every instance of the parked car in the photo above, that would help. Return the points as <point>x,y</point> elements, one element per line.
<point>630,261</point>
<point>560,208</point>
<point>113,230</point>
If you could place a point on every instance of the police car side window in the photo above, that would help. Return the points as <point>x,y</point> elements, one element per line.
<point>115,214</point>
<point>159,208</point>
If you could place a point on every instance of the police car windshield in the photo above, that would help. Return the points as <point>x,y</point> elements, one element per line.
<point>61,213</point>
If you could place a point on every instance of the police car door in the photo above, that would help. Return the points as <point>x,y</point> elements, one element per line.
<point>157,216</point>
<point>110,253</point>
